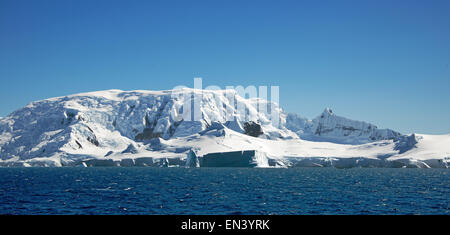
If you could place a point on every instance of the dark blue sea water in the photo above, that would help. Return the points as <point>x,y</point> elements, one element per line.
<point>223,191</point>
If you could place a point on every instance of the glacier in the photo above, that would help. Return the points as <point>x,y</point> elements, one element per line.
<point>147,128</point>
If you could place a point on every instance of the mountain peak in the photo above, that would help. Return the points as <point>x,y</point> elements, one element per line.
<point>327,112</point>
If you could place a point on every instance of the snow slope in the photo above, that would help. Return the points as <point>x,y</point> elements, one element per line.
<point>149,128</point>
<point>428,147</point>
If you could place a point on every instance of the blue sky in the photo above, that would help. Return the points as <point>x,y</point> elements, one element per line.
<point>385,62</point>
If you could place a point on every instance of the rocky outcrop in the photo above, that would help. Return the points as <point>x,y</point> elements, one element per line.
<point>130,149</point>
<point>253,129</point>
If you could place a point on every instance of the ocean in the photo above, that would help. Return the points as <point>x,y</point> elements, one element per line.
<point>229,191</point>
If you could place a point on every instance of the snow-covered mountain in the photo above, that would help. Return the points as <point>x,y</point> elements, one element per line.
<point>146,128</point>
<point>329,127</point>
<point>98,122</point>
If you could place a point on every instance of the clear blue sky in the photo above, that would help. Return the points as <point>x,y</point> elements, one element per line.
<point>386,62</point>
